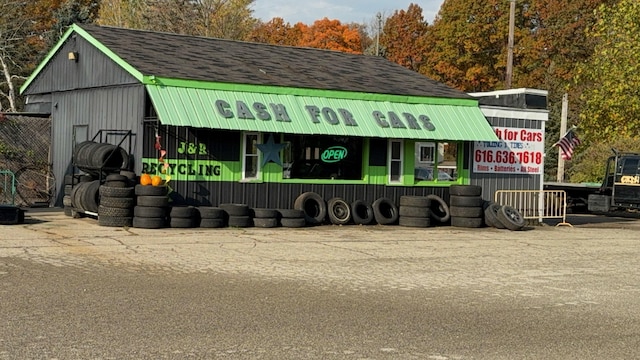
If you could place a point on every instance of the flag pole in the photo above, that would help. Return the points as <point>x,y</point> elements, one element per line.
<point>563,131</point>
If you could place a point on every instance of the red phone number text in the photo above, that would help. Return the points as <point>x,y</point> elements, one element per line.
<point>508,157</point>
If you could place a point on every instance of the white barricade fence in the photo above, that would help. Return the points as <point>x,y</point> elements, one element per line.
<point>536,204</point>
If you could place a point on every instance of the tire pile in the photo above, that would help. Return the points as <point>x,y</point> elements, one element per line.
<point>237,215</point>
<point>183,217</point>
<point>466,206</point>
<point>211,217</point>
<point>292,218</point>
<point>503,217</point>
<point>415,211</point>
<point>265,218</point>
<point>116,202</point>
<point>151,207</point>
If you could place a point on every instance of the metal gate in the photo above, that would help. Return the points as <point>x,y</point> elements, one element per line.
<point>536,204</point>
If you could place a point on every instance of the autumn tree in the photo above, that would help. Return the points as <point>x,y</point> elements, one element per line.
<point>611,77</point>
<point>403,39</point>
<point>331,35</point>
<point>276,32</point>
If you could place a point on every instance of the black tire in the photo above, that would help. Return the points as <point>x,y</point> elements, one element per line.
<point>264,213</point>
<point>66,200</point>
<point>465,190</point>
<point>212,223</point>
<point>130,175</point>
<point>240,221</point>
<point>116,177</point>
<point>467,212</point>
<point>67,189</point>
<point>115,221</point>
<point>414,211</point>
<point>155,201</point>
<point>466,201</point>
<point>111,191</point>
<point>235,209</point>
<point>338,211</point>
<point>91,197</point>
<point>150,190</point>
<point>510,218</point>
<point>117,202</point>
<point>314,207</point>
<point>149,223</point>
<point>114,212</point>
<point>439,209</point>
<point>361,212</point>
<point>182,212</point>
<point>385,211</point>
<point>408,221</point>
<point>75,198</point>
<point>182,222</point>
<point>415,201</point>
<point>265,222</point>
<point>291,214</point>
<point>208,212</point>
<point>117,184</point>
<point>467,222</point>
<point>491,216</point>
<point>293,222</point>
<point>68,211</point>
<point>150,212</point>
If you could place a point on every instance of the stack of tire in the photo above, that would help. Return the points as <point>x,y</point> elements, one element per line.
<point>237,215</point>
<point>385,211</point>
<point>339,211</point>
<point>183,217</point>
<point>211,217</point>
<point>466,206</point>
<point>265,218</point>
<point>503,217</point>
<point>292,218</point>
<point>85,197</point>
<point>116,202</point>
<point>70,181</point>
<point>414,211</point>
<point>100,159</point>
<point>151,207</point>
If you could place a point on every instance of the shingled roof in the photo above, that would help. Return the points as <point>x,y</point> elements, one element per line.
<point>227,61</point>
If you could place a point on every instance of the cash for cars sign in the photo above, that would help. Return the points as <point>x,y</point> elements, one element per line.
<point>519,151</point>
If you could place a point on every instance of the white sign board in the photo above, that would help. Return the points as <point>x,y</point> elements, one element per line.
<point>519,151</point>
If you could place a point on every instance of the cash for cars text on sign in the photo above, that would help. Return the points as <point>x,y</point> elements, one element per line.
<point>519,151</point>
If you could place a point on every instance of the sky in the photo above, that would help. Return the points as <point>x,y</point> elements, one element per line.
<point>347,11</point>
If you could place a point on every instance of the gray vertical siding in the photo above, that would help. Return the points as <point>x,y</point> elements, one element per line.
<point>113,108</point>
<point>493,182</point>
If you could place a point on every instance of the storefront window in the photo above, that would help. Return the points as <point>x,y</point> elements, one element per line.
<point>436,157</point>
<point>250,166</point>
<point>395,161</point>
<point>322,157</point>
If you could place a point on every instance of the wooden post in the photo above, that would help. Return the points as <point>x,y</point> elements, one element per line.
<point>563,130</point>
<point>512,21</point>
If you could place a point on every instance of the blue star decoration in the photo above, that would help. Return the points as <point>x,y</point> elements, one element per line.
<point>271,151</point>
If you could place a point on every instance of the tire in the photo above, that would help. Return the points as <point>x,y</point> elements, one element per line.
<point>465,190</point>
<point>408,221</point>
<point>361,212</point>
<point>91,197</point>
<point>264,213</point>
<point>491,216</point>
<point>66,200</point>
<point>67,189</point>
<point>240,221</point>
<point>117,202</point>
<point>467,212</point>
<point>211,223</point>
<point>291,214</point>
<point>339,211</point>
<point>182,222</point>
<point>111,191</point>
<point>293,222</point>
<point>116,184</point>
<point>150,212</point>
<point>385,211</point>
<point>116,177</point>
<point>115,221</point>
<point>208,212</point>
<point>155,201</point>
<point>148,223</point>
<point>68,211</point>
<point>510,218</point>
<point>235,209</point>
<point>114,212</point>
<point>439,209</point>
<point>416,201</point>
<point>466,201</point>
<point>150,190</point>
<point>314,207</point>
<point>182,212</point>
<point>75,198</point>
<point>414,211</point>
<point>265,222</point>
<point>466,222</point>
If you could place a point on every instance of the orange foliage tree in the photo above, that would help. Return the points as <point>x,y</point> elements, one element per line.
<point>403,38</point>
<point>331,35</point>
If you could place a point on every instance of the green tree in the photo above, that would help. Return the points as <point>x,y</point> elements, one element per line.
<point>611,77</point>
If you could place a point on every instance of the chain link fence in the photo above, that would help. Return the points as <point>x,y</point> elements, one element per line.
<point>26,176</point>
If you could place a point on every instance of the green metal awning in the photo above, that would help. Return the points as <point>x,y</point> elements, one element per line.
<point>310,115</point>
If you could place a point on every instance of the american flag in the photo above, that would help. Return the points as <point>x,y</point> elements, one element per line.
<point>568,142</point>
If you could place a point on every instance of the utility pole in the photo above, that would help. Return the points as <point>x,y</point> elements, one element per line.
<point>512,25</point>
<point>379,17</point>
<point>563,131</point>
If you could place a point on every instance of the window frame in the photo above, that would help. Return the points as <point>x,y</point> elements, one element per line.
<point>391,160</point>
<point>245,155</point>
